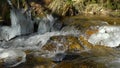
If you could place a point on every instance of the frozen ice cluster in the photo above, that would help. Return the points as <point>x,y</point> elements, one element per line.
<point>106,35</point>
<point>12,57</point>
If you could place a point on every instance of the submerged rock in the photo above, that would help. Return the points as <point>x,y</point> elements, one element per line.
<point>80,64</point>
<point>37,62</point>
<point>57,47</point>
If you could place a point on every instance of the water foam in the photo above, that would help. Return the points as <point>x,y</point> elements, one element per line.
<point>35,41</point>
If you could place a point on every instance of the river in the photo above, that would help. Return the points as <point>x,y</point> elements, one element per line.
<point>86,41</point>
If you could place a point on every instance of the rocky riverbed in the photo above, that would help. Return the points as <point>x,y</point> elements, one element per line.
<point>59,34</point>
<point>76,45</point>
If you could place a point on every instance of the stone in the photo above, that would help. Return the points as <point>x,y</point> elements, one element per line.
<point>58,47</point>
<point>37,62</point>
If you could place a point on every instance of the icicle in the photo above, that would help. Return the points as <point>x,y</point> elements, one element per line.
<point>21,24</point>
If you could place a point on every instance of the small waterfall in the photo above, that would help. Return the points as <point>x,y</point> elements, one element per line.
<point>34,42</point>
<point>49,24</point>
<point>21,24</point>
<point>44,25</point>
<point>21,20</point>
<point>12,49</point>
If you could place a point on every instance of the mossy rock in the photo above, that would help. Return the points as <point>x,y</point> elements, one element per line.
<point>36,62</point>
<point>67,43</point>
<point>97,50</point>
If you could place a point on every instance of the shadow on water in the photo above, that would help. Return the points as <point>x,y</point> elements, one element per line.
<point>67,57</point>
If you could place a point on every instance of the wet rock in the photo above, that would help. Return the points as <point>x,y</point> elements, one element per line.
<point>89,32</point>
<point>97,50</point>
<point>92,56</point>
<point>58,47</point>
<point>63,49</point>
<point>57,26</point>
<point>63,43</point>
<point>36,62</point>
<point>58,57</point>
<point>80,64</point>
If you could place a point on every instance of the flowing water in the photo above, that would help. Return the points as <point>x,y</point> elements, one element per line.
<point>85,41</point>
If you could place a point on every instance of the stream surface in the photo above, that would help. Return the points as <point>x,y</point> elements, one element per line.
<point>86,41</point>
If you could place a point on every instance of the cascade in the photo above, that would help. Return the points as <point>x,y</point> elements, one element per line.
<point>21,24</point>
<point>49,24</point>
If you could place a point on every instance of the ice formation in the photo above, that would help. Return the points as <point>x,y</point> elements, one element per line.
<point>106,35</point>
<point>12,57</point>
<point>22,21</point>
<point>48,24</point>
<point>21,24</point>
